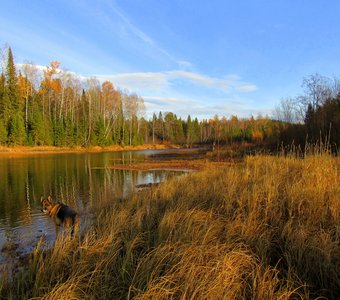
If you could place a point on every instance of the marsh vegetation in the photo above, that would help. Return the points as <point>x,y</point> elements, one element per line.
<point>267,228</point>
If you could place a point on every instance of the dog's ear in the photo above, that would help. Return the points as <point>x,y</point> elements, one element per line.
<point>41,199</point>
<point>50,198</point>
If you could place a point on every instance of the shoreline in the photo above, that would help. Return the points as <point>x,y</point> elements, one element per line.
<point>34,150</point>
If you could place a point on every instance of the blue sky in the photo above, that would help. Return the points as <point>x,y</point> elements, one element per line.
<point>189,57</point>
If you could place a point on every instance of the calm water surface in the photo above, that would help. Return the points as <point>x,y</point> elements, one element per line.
<point>79,180</point>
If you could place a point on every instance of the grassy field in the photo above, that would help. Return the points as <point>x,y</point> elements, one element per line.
<point>267,228</point>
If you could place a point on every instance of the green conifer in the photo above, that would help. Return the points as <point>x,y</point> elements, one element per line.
<point>3,133</point>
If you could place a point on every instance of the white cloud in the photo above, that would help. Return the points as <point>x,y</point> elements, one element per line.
<point>176,105</point>
<point>163,99</point>
<point>202,80</point>
<point>247,88</point>
<point>163,80</point>
<point>138,81</point>
<point>182,106</point>
<point>159,91</point>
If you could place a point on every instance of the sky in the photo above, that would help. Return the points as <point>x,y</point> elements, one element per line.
<point>189,57</point>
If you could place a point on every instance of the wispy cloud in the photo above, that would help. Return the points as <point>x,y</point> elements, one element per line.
<point>163,80</point>
<point>142,82</point>
<point>140,34</point>
<point>203,109</point>
<point>123,26</point>
<point>156,103</point>
<point>201,80</point>
<point>161,91</point>
<point>156,81</point>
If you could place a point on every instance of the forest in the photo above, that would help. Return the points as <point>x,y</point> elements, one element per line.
<point>56,107</point>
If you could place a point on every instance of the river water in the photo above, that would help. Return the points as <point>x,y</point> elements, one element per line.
<point>80,180</point>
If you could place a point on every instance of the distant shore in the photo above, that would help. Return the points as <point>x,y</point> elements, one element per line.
<point>33,150</point>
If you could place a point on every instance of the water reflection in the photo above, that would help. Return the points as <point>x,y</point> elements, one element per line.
<point>79,180</point>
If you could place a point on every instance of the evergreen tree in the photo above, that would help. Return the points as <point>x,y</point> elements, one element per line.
<point>70,132</point>
<point>3,133</point>
<point>12,109</point>
<point>170,120</point>
<point>160,127</point>
<point>59,133</point>
<point>3,124</point>
<point>11,83</point>
<point>179,134</point>
<point>189,132</point>
<point>100,132</point>
<point>17,129</point>
<point>40,128</point>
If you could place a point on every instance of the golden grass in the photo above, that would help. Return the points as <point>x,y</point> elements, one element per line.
<point>265,229</point>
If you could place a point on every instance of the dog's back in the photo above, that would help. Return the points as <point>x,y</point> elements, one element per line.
<point>60,213</point>
<point>67,216</point>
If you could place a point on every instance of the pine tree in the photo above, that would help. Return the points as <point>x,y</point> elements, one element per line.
<point>40,129</point>
<point>17,129</point>
<point>3,126</point>
<point>100,132</point>
<point>11,83</point>
<point>12,109</point>
<point>5,102</point>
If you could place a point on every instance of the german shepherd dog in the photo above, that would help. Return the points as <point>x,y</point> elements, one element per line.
<point>60,213</point>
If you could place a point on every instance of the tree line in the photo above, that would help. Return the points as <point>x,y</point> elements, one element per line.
<point>55,107</point>
<point>314,116</point>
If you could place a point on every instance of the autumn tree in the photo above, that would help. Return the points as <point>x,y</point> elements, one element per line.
<point>50,86</point>
<point>92,97</point>
<point>133,107</point>
<point>112,109</point>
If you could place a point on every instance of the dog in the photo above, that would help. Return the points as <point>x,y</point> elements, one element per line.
<point>61,213</point>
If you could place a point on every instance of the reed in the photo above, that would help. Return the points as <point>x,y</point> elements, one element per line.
<point>264,229</point>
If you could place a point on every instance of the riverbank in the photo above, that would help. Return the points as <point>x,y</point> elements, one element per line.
<point>33,150</point>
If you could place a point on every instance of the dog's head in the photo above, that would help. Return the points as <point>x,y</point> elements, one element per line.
<point>46,203</point>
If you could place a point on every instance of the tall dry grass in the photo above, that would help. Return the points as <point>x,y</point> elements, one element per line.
<point>265,229</point>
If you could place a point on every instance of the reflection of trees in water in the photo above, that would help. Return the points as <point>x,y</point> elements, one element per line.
<point>72,179</point>
<point>26,212</point>
<point>12,190</point>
